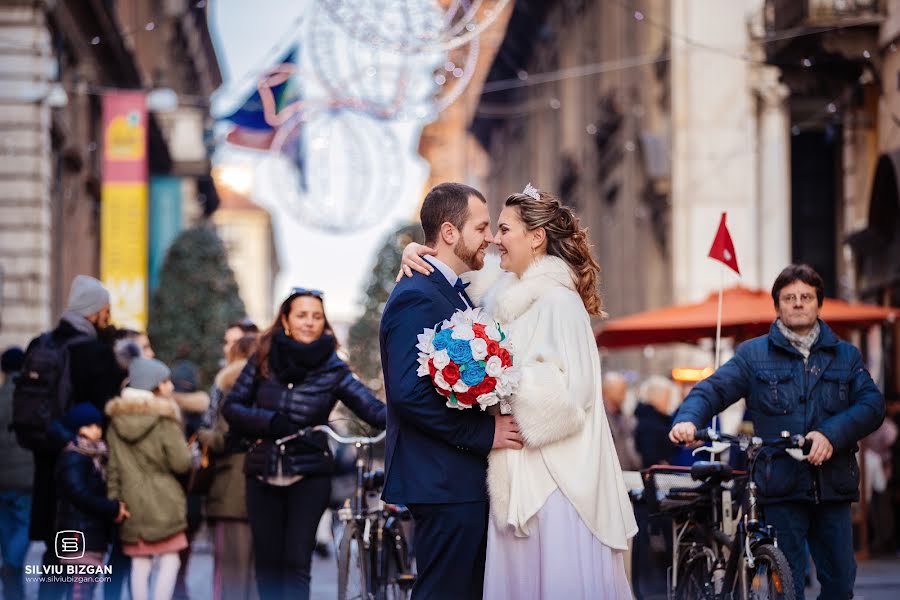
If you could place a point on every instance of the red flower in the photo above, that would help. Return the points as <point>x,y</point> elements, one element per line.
<point>443,392</point>
<point>487,385</point>
<point>505,358</point>
<point>478,328</point>
<point>465,398</point>
<point>451,373</point>
<point>493,348</point>
<point>431,368</point>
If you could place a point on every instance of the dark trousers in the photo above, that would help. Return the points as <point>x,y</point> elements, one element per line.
<point>121,569</point>
<point>51,590</point>
<point>828,530</point>
<point>283,521</point>
<point>451,546</point>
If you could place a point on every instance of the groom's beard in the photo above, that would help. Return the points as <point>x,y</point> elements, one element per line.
<point>469,256</point>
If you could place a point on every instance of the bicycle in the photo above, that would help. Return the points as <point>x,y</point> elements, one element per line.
<point>715,555</point>
<point>373,557</point>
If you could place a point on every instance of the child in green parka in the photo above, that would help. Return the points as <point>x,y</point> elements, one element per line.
<point>147,453</point>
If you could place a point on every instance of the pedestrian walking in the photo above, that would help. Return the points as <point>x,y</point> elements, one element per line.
<point>74,363</point>
<point>83,504</point>
<point>654,420</point>
<point>621,423</point>
<point>226,504</point>
<point>292,382</point>
<point>147,452</point>
<point>16,472</point>
<point>802,379</point>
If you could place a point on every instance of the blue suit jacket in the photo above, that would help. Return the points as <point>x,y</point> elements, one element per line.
<point>434,454</point>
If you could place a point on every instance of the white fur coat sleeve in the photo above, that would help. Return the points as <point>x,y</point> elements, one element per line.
<point>554,395</point>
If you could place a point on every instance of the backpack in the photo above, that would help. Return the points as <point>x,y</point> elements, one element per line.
<point>43,390</point>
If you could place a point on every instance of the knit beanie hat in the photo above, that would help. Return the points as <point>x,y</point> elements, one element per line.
<point>87,296</point>
<point>12,360</point>
<point>147,373</point>
<point>80,415</point>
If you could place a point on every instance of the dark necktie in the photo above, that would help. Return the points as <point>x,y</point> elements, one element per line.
<point>460,286</point>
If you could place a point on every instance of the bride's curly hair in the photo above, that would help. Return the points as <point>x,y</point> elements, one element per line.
<point>566,239</point>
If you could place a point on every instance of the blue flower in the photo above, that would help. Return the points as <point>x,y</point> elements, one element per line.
<point>459,351</point>
<point>442,339</point>
<point>474,374</point>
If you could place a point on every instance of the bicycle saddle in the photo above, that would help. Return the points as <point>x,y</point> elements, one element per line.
<point>705,470</point>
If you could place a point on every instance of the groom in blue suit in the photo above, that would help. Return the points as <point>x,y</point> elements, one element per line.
<point>436,457</point>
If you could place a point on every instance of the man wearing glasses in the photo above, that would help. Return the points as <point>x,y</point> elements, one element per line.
<point>800,378</point>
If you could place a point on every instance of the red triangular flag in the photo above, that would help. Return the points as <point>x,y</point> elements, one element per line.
<point>723,248</point>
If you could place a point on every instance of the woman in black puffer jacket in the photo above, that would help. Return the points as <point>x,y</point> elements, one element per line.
<point>292,382</point>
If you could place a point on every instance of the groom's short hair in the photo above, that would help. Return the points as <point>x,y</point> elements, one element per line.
<point>446,203</point>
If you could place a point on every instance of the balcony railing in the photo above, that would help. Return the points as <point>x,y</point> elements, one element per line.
<point>790,14</point>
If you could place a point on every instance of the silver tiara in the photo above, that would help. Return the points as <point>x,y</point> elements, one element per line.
<point>532,191</point>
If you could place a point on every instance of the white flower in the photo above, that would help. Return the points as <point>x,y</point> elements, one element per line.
<point>494,366</point>
<point>479,349</point>
<point>457,405</point>
<point>460,388</point>
<point>507,382</point>
<point>441,359</point>
<point>492,332</point>
<point>423,370</point>
<point>441,382</point>
<point>488,399</point>
<point>425,341</point>
<point>463,332</point>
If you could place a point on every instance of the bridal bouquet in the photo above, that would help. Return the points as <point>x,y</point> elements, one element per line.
<point>469,360</point>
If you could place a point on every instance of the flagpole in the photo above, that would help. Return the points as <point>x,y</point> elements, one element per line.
<point>719,329</point>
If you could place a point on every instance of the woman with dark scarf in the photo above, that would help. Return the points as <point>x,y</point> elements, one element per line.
<point>292,382</point>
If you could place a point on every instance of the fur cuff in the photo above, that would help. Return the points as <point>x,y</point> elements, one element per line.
<point>541,407</point>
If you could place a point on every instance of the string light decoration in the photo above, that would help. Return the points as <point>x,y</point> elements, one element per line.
<point>414,26</point>
<point>314,145</point>
<point>385,83</point>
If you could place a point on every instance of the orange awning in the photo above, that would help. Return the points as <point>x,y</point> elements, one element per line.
<point>746,313</point>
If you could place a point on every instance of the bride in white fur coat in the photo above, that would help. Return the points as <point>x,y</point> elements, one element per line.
<point>560,513</point>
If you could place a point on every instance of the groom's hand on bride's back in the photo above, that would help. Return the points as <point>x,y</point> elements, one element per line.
<point>506,433</point>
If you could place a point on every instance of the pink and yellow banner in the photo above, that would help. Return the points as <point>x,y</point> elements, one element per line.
<point>123,212</point>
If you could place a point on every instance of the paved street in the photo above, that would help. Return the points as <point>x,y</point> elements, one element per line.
<point>877,579</point>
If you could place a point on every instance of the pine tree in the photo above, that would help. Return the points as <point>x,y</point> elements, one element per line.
<point>365,356</point>
<point>196,299</point>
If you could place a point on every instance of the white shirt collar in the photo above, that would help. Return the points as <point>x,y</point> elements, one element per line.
<point>447,272</point>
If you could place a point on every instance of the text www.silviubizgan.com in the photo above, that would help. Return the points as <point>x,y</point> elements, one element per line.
<point>68,573</point>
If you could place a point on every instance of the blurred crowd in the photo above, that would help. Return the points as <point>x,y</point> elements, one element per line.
<point>101,438</point>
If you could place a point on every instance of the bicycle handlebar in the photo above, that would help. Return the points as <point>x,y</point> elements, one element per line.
<point>745,441</point>
<point>333,435</point>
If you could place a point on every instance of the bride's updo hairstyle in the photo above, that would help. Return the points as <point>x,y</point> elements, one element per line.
<point>566,239</point>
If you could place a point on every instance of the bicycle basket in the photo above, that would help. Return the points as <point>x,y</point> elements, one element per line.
<point>659,480</point>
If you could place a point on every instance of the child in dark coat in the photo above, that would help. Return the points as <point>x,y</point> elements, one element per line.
<point>82,503</point>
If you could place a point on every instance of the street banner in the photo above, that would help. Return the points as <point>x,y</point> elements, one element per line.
<point>123,207</point>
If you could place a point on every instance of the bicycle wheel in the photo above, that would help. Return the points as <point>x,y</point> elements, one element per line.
<point>693,578</point>
<point>352,564</point>
<point>771,577</point>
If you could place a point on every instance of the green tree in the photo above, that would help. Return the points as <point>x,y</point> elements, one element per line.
<point>196,298</point>
<point>365,356</point>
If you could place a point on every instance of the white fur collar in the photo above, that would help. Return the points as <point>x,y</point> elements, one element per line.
<point>135,401</point>
<point>512,296</point>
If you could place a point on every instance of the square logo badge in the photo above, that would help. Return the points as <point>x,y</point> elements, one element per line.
<point>69,544</point>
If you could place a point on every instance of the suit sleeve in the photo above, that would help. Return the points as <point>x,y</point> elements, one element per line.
<point>414,398</point>
<point>865,413</point>
<point>727,385</point>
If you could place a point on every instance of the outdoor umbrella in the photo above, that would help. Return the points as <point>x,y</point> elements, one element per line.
<point>746,313</point>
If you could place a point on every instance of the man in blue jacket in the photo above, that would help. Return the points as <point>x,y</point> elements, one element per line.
<point>800,378</point>
<point>436,457</point>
